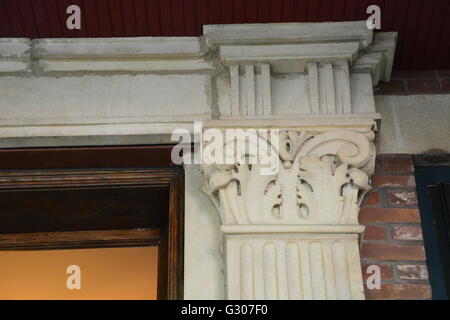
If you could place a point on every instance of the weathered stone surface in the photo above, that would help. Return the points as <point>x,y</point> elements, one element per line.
<point>414,124</point>
<point>312,81</point>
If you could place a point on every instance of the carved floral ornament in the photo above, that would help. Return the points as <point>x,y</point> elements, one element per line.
<point>321,180</point>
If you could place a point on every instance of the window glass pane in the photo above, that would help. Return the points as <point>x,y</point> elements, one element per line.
<point>107,273</point>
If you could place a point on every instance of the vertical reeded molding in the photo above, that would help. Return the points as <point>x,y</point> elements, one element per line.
<point>293,266</point>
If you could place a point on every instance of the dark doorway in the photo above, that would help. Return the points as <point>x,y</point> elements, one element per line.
<point>433,190</point>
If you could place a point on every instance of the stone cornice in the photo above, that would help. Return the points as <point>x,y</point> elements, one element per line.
<point>142,54</point>
<point>378,59</point>
<point>288,33</point>
<point>298,76</point>
<point>121,54</point>
<point>298,42</point>
<point>108,48</point>
<point>288,58</point>
<point>15,54</point>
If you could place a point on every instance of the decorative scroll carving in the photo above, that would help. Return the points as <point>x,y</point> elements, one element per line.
<point>322,180</point>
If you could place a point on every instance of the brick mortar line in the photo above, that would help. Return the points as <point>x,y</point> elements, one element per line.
<point>399,188</point>
<point>371,206</point>
<point>397,242</point>
<point>382,206</point>
<point>435,77</point>
<point>392,263</point>
<point>389,230</point>
<point>408,93</point>
<point>382,156</point>
<point>383,197</point>
<point>393,186</point>
<point>392,224</point>
<point>394,206</point>
<point>404,281</point>
<point>393,173</point>
<point>395,273</point>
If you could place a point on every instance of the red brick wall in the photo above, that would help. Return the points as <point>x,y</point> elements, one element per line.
<point>416,82</point>
<point>393,236</point>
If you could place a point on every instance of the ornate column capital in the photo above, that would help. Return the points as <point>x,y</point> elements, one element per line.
<point>320,180</point>
<point>293,234</point>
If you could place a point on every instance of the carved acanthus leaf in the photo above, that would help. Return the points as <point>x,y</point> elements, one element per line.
<point>243,195</point>
<point>322,181</point>
<point>327,191</point>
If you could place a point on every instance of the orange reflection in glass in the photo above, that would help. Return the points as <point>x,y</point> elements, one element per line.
<point>110,273</point>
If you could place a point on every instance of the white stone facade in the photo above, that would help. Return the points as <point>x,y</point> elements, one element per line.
<point>290,235</point>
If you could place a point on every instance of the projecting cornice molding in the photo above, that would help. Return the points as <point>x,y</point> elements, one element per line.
<point>15,54</point>
<point>333,67</point>
<point>291,43</point>
<point>379,57</point>
<point>288,33</point>
<point>250,71</point>
<point>352,42</point>
<point>302,72</point>
<point>103,55</point>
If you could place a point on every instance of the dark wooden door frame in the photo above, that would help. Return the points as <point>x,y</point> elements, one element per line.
<point>170,284</point>
<point>152,167</point>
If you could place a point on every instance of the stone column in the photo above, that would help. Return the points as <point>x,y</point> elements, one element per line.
<point>294,234</point>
